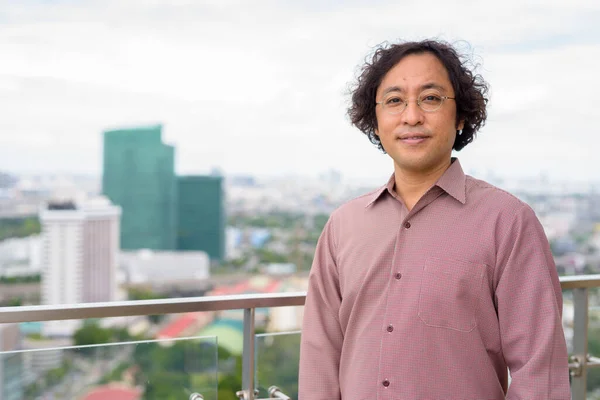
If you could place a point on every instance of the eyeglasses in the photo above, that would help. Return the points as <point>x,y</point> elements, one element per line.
<point>428,101</point>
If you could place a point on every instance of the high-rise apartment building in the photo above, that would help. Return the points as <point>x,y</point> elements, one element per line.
<point>139,176</point>
<point>201,212</point>
<point>80,250</point>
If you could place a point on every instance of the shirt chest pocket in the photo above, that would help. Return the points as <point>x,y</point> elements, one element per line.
<point>449,294</point>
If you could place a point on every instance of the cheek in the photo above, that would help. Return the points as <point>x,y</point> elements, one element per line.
<point>378,122</point>
<point>384,125</point>
<point>449,124</point>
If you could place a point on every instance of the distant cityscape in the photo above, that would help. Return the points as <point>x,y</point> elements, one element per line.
<point>142,232</point>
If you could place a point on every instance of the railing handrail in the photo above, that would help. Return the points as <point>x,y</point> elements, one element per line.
<point>192,304</point>
<point>579,282</point>
<point>148,307</point>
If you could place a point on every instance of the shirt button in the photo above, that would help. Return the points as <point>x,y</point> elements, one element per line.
<point>386,383</point>
<point>390,328</point>
<point>407,225</point>
<point>398,275</point>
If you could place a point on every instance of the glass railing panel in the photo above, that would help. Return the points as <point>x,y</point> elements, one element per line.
<point>593,374</point>
<point>593,334</point>
<point>277,357</point>
<point>153,369</point>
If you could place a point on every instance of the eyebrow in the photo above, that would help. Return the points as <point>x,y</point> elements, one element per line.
<point>426,86</point>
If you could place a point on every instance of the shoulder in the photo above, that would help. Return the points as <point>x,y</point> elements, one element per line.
<point>357,204</point>
<point>482,193</point>
<point>509,213</point>
<point>352,212</point>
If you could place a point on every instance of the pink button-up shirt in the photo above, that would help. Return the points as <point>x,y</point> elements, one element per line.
<point>435,303</point>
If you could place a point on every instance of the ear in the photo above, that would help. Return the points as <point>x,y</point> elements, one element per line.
<point>461,125</point>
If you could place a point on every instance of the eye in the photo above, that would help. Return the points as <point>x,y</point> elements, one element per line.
<point>431,99</point>
<point>393,101</point>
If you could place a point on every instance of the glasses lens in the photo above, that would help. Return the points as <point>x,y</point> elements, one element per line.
<point>430,101</point>
<point>394,104</point>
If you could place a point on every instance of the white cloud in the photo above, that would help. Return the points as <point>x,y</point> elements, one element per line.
<point>259,86</point>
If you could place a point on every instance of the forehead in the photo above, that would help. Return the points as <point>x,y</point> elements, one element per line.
<point>414,71</point>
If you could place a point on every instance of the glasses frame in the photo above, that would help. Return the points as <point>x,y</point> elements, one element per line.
<point>389,111</point>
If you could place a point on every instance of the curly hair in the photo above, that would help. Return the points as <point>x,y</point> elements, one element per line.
<point>470,90</point>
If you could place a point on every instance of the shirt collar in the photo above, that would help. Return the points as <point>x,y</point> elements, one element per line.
<point>389,186</point>
<point>453,182</point>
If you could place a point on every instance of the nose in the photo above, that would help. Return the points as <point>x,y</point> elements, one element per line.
<point>412,115</point>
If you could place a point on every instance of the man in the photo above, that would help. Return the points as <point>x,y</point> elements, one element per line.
<point>436,284</point>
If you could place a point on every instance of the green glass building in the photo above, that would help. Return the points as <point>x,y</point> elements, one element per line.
<point>139,176</point>
<point>201,215</point>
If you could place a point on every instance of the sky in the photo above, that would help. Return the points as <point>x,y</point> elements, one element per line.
<point>261,87</point>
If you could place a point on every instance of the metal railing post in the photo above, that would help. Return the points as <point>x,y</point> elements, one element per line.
<point>580,343</point>
<point>248,354</point>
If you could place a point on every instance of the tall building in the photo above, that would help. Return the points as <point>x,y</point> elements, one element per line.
<point>80,249</point>
<point>201,215</point>
<point>139,176</point>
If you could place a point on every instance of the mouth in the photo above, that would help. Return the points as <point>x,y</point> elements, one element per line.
<point>413,138</point>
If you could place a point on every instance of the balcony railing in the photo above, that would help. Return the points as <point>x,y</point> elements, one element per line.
<point>579,362</point>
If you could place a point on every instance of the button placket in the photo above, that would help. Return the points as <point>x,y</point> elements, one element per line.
<point>389,329</point>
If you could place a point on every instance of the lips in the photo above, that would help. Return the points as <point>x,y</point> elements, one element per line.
<point>413,138</point>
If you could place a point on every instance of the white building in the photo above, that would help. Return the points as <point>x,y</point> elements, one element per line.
<point>79,255</point>
<point>287,319</point>
<point>233,242</point>
<point>21,256</point>
<point>150,267</point>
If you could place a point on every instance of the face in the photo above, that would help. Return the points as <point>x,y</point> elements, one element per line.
<point>417,141</point>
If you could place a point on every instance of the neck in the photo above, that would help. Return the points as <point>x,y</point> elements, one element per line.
<point>412,185</point>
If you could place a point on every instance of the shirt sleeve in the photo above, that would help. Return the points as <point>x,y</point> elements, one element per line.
<point>529,301</point>
<point>322,335</point>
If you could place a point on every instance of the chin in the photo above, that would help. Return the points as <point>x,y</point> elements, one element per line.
<point>415,164</point>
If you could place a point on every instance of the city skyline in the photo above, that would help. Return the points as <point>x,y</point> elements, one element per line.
<point>261,89</point>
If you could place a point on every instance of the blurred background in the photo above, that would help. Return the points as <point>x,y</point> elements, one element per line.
<point>170,148</point>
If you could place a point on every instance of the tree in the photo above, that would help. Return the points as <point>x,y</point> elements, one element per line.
<point>145,294</point>
<point>141,294</point>
<point>278,360</point>
<point>593,378</point>
<point>21,279</point>
<point>166,385</point>
<point>91,333</point>
<point>19,227</point>
<point>15,302</point>
<point>169,372</point>
<point>31,226</point>
<point>268,256</point>
<point>319,222</point>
